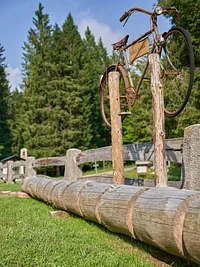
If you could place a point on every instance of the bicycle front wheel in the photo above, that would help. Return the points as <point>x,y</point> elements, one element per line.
<point>177,70</point>
<point>104,92</point>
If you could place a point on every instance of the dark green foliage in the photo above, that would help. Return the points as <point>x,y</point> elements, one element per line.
<point>138,127</point>
<point>16,123</point>
<point>96,61</point>
<point>59,104</point>
<point>190,20</point>
<point>5,137</point>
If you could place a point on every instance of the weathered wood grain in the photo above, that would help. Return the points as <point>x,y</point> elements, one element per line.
<point>51,161</point>
<point>116,207</point>
<point>27,183</point>
<point>57,194</point>
<point>71,196</point>
<point>132,152</point>
<point>158,122</point>
<point>158,217</point>
<point>116,128</point>
<point>49,189</point>
<point>191,230</point>
<point>166,217</point>
<point>90,198</point>
<point>41,187</point>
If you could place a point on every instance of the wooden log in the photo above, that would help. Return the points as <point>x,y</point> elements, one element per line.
<point>158,217</point>
<point>58,213</point>
<point>27,183</point>
<point>51,161</point>
<point>158,122</point>
<point>90,198</point>
<point>141,151</point>
<point>191,231</point>
<point>116,207</point>
<point>40,188</point>
<point>22,195</point>
<point>49,189</point>
<point>191,166</point>
<point>71,196</point>
<point>33,187</point>
<point>57,194</point>
<point>116,128</point>
<point>153,215</point>
<point>72,170</point>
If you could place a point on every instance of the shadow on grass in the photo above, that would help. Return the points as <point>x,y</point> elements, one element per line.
<point>154,255</point>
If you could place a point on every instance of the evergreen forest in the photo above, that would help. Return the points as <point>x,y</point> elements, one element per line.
<point>57,105</point>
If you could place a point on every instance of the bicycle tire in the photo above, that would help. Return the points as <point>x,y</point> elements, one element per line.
<point>104,91</point>
<point>177,70</point>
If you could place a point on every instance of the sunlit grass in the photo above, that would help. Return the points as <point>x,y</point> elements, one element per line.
<point>30,237</point>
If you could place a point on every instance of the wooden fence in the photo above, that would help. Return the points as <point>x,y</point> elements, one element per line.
<point>182,150</point>
<point>75,158</point>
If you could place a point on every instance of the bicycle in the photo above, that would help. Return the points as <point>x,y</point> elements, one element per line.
<point>176,65</point>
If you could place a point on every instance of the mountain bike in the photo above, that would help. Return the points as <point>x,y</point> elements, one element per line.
<point>176,66</point>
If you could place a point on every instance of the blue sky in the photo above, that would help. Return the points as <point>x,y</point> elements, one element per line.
<point>102,17</point>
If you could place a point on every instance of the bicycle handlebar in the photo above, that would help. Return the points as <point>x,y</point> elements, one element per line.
<point>127,14</point>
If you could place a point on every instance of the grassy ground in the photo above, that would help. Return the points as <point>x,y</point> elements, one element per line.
<point>30,237</point>
<point>174,172</point>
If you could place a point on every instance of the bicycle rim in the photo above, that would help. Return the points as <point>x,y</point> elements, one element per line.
<point>177,70</point>
<point>104,92</point>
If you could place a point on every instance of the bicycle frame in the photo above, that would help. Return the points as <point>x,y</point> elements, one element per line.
<point>124,56</point>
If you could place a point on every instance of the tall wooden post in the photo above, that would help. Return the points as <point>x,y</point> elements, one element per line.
<point>116,129</point>
<point>158,122</point>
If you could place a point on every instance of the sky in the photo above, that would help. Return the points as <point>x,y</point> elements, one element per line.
<point>102,17</point>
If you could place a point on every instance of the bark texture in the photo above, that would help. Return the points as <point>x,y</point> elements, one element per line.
<point>167,218</point>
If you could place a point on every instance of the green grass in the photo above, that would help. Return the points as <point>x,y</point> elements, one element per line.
<point>174,173</point>
<point>30,237</point>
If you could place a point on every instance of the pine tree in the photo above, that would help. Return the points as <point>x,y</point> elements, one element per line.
<point>138,127</point>
<point>16,120</point>
<point>5,137</point>
<point>94,66</point>
<point>37,134</point>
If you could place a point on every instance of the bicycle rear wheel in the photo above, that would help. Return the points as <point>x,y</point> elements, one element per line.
<point>104,92</point>
<point>177,70</point>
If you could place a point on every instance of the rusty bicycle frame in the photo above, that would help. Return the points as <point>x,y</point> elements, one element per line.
<point>132,93</point>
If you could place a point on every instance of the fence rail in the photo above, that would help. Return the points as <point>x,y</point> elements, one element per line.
<point>10,170</point>
<point>182,150</point>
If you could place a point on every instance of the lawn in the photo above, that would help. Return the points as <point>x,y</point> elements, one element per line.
<point>30,237</point>
<point>174,171</point>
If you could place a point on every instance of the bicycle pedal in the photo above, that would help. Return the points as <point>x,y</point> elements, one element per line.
<point>146,79</point>
<point>125,113</point>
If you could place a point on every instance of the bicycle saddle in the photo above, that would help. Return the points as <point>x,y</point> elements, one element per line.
<point>118,45</point>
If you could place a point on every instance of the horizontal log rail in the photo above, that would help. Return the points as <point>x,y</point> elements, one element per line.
<point>52,161</point>
<point>132,152</point>
<point>167,218</point>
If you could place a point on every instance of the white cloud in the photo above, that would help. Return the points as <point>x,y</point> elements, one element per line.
<point>98,29</point>
<point>14,77</point>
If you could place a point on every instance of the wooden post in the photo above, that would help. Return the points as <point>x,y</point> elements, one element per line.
<point>191,157</point>
<point>10,172</point>
<point>116,129</point>
<point>73,171</point>
<point>158,122</point>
